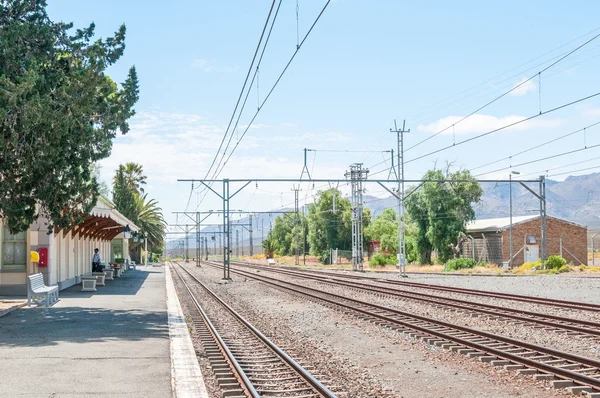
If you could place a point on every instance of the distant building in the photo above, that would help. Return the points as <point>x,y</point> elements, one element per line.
<point>488,240</point>
<point>65,254</point>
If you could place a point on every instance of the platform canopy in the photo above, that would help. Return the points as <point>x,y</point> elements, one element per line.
<point>103,223</point>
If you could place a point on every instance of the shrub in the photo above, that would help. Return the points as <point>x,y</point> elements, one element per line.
<point>120,260</point>
<point>564,268</point>
<point>555,262</point>
<point>582,268</point>
<point>460,263</point>
<point>528,267</point>
<point>380,260</point>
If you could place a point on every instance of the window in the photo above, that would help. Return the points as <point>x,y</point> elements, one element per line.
<point>14,250</point>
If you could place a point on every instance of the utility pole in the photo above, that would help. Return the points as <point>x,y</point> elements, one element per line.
<point>242,241</point>
<point>400,176</point>
<point>296,208</point>
<point>510,259</point>
<point>262,234</point>
<point>206,248</point>
<point>250,233</point>
<point>543,218</point>
<point>357,174</point>
<point>237,242</point>
<point>198,241</point>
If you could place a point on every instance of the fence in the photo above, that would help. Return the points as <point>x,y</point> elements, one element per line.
<point>485,249</point>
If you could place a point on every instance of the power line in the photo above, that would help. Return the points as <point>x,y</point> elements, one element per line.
<point>560,167</point>
<point>242,90</point>
<point>539,160</point>
<point>536,146</point>
<point>274,85</point>
<point>505,127</point>
<point>573,171</point>
<point>506,92</point>
<point>256,71</point>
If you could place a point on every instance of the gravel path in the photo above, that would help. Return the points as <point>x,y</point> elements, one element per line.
<point>366,352</point>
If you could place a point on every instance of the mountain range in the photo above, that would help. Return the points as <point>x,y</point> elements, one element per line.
<point>575,199</point>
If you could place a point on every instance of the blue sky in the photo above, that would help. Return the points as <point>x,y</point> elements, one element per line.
<point>365,63</point>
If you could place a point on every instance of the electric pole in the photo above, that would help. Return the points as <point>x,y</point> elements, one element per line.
<point>400,175</point>
<point>296,229</point>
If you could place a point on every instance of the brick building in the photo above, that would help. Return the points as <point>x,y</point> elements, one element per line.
<point>490,240</point>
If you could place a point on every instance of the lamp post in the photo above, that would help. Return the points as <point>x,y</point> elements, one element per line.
<point>510,211</point>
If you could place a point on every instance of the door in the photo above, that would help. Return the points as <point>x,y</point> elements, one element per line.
<point>532,253</point>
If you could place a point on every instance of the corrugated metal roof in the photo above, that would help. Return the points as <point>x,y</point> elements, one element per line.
<point>496,224</point>
<point>500,224</point>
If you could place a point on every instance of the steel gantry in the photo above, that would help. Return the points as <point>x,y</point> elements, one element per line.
<point>226,197</point>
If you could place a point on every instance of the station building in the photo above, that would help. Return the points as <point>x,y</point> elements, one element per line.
<point>64,254</point>
<point>488,240</point>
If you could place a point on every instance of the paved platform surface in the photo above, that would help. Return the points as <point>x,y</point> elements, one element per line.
<point>109,343</point>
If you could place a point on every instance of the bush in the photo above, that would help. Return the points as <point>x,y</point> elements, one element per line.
<point>564,268</point>
<point>529,266</point>
<point>460,263</point>
<point>382,260</point>
<point>120,260</point>
<point>555,262</point>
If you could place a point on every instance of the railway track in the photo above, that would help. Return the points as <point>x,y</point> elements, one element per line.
<point>570,326</point>
<point>475,292</point>
<point>245,362</point>
<point>565,370</point>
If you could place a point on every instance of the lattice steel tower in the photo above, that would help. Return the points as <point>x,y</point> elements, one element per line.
<point>357,174</point>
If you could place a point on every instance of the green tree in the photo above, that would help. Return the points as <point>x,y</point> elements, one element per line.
<point>329,228</point>
<point>133,173</point>
<point>284,231</point>
<point>384,228</point>
<point>148,217</point>
<point>441,210</point>
<point>123,197</point>
<point>59,113</point>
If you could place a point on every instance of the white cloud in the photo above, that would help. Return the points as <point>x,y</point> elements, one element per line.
<point>483,123</point>
<point>209,66</point>
<point>524,86</point>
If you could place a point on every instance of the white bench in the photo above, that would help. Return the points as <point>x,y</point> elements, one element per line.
<point>100,278</point>
<point>108,274</point>
<point>36,288</point>
<point>88,283</point>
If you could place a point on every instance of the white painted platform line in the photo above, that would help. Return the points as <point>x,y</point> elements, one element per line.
<point>186,378</point>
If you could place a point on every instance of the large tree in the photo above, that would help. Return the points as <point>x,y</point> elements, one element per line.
<point>441,211</point>
<point>133,173</point>
<point>329,226</point>
<point>59,113</point>
<point>283,235</point>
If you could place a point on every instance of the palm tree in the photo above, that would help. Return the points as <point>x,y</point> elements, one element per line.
<point>134,175</point>
<point>148,217</point>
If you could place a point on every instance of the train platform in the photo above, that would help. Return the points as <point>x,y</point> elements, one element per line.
<point>127,339</point>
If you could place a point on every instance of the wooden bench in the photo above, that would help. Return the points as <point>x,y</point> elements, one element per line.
<point>36,288</point>
<point>88,283</point>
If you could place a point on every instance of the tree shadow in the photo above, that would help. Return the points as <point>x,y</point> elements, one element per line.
<point>52,326</point>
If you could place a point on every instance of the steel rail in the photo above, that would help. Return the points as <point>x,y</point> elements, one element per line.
<point>439,326</point>
<point>305,374</point>
<point>486,293</point>
<point>488,309</point>
<point>239,373</point>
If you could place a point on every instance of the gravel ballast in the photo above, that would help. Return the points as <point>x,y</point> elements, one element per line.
<point>405,366</point>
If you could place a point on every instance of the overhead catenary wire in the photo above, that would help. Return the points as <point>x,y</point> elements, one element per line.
<point>242,90</point>
<point>538,74</point>
<point>274,85</point>
<point>505,127</point>
<point>540,160</point>
<point>536,146</point>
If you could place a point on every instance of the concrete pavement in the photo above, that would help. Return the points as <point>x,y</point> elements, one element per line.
<point>109,343</point>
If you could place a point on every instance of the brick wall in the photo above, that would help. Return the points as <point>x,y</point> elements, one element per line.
<point>574,240</point>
